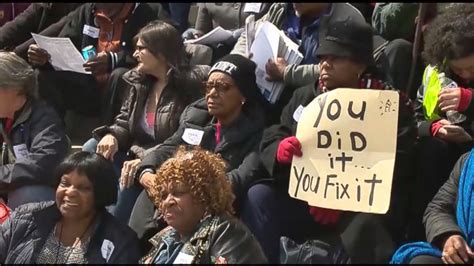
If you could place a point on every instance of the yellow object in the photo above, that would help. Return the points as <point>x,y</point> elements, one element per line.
<point>432,87</point>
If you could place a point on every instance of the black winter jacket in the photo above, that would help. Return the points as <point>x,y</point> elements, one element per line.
<point>440,215</point>
<point>38,127</point>
<point>25,232</point>
<point>127,126</point>
<point>403,160</point>
<point>140,16</point>
<point>222,239</point>
<point>238,146</point>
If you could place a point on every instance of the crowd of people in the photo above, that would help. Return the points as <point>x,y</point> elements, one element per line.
<point>191,163</point>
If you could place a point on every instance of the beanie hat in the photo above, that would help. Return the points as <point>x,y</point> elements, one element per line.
<point>348,38</point>
<point>242,71</point>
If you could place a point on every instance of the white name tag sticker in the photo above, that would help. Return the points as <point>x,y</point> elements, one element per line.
<point>21,151</point>
<point>91,31</point>
<point>192,136</point>
<point>183,258</point>
<point>297,113</point>
<point>106,249</point>
<point>252,7</point>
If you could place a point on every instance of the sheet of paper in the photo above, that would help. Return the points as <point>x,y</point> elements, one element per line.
<point>217,35</point>
<point>64,55</point>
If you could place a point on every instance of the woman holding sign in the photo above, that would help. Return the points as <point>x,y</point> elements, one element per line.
<point>345,62</point>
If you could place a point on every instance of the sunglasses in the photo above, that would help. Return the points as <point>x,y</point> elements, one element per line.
<point>220,86</point>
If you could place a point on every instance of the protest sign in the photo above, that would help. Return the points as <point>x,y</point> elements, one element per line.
<point>348,139</point>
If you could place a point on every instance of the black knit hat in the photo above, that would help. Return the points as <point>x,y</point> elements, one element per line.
<point>348,38</point>
<point>242,71</point>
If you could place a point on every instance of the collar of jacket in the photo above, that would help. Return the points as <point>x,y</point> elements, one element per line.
<point>133,77</point>
<point>46,218</point>
<point>195,245</point>
<point>21,115</point>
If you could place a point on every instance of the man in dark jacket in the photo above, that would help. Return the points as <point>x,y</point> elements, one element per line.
<point>33,138</point>
<point>270,212</point>
<point>110,28</point>
<point>35,19</point>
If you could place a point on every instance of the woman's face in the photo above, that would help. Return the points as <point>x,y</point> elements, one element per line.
<point>10,102</point>
<point>463,68</point>
<point>179,209</point>
<point>75,196</point>
<point>337,72</point>
<point>147,62</point>
<point>224,99</point>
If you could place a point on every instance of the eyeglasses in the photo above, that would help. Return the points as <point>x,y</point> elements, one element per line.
<point>220,86</point>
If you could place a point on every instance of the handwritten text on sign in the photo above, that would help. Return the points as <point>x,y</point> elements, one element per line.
<point>348,139</point>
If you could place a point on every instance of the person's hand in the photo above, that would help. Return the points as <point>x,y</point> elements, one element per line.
<point>449,99</point>
<point>287,148</point>
<point>324,216</point>
<point>191,34</point>
<point>129,169</point>
<point>456,251</point>
<point>452,133</point>
<point>275,69</point>
<point>107,147</point>
<point>147,180</point>
<point>98,64</point>
<point>37,56</point>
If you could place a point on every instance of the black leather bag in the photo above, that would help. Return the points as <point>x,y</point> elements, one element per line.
<point>311,252</point>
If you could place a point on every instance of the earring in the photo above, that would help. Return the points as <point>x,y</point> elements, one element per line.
<point>243,102</point>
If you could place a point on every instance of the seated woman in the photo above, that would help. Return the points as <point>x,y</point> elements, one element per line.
<point>31,133</point>
<point>75,228</point>
<point>160,87</point>
<point>345,62</point>
<point>448,50</point>
<point>449,227</point>
<point>228,121</point>
<point>195,199</point>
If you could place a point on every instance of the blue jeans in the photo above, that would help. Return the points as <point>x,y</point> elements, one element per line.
<point>125,198</point>
<point>27,194</point>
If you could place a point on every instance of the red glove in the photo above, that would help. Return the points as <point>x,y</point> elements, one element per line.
<point>287,148</point>
<point>4,212</point>
<point>324,216</point>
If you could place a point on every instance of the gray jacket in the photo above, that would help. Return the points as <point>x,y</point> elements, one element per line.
<point>299,75</point>
<point>37,129</point>
<point>25,232</point>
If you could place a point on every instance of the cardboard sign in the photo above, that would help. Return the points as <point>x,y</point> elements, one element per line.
<point>348,139</point>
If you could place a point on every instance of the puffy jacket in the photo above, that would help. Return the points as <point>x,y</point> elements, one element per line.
<point>127,127</point>
<point>223,240</point>
<point>440,214</point>
<point>38,127</point>
<point>25,232</point>
<point>238,146</point>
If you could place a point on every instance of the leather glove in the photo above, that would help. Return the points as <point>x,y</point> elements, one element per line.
<point>287,148</point>
<point>324,216</point>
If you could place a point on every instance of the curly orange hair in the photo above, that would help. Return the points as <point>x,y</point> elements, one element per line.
<point>203,172</point>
